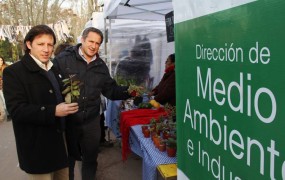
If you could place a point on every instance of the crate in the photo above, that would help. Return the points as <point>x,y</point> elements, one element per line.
<point>167,172</point>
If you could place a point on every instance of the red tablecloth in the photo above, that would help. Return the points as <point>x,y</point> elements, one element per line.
<point>135,117</point>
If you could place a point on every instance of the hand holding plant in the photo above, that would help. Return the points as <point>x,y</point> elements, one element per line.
<point>136,91</point>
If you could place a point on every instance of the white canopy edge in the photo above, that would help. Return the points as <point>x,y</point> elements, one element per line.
<point>151,10</point>
<point>185,10</point>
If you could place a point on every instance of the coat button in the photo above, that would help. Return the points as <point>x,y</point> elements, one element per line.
<point>43,108</point>
<point>51,91</point>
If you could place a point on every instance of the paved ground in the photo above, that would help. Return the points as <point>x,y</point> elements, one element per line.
<point>111,166</point>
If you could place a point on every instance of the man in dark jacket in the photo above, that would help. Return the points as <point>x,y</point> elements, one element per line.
<point>83,129</point>
<point>33,98</point>
<point>164,92</point>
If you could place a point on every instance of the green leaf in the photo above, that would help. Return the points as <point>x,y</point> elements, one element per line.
<point>67,89</point>
<point>75,87</point>
<point>68,98</point>
<point>74,83</point>
<point>65,80</point>
<point>75,93</point>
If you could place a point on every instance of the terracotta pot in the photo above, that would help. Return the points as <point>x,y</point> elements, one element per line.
<point>146,133</point>
<point>144,127</point>
<point>153,134</point>
<point>156,141</point>
<point>162,147</point>
<point>171,152</point>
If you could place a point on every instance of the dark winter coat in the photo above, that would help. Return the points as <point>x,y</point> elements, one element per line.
<point>164,92</point>
<point>31,102</point>
<point>96,80</point>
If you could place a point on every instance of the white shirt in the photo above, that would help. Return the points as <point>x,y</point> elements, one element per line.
<point>45,67</point>
<point>82,55</point>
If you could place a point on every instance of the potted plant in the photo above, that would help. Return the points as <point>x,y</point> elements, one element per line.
<point>156,140</point>
<point>158,128</point>
<point>165,134</point>
<point>144,127</point>
<point>171,112</point>
<point>152,124</point>
<point>162,146</point>
<point>153,134</point>
<point>146,133</point>
<point>171,147</point>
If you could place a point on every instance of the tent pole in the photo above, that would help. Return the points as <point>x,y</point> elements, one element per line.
<point>105,41</point>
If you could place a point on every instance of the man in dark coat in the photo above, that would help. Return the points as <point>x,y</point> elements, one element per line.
<point>33,98</point>
<point>83,128</point>
<point>164,92</point>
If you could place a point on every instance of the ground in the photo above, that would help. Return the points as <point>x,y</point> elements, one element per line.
<point>111,166</point>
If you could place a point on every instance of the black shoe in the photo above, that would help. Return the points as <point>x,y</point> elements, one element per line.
<point>106,144</point>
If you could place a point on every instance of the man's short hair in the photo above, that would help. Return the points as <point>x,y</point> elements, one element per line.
<point>35,31</point>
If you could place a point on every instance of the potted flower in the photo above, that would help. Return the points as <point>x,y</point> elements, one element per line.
<point>171,147</point>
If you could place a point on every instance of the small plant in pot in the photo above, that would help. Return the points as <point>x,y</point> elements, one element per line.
<point>144,127</point>
<point>171,147</point>
<point>165,134</point>
<point>152,124</point>
<point>162,146</point>
<point>146,133</point>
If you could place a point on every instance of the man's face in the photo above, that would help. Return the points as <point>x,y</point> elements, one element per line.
<point>41,47</point>
<point>90,45</point>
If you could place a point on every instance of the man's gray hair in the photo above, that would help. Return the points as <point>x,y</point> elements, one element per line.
<point>92,29</point>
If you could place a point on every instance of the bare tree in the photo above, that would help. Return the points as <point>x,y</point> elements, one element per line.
<point>32,12</point>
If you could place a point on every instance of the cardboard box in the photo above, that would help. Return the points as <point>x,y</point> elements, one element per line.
<point>167,172</point>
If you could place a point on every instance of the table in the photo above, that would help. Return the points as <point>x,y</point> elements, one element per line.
<point>132,118</point>
<point>113,117</point>
<point>151,156</point>
<point>113,111</point>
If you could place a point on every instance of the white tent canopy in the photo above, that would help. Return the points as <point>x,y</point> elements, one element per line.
<point>127,20</point>
<point>151,10</point>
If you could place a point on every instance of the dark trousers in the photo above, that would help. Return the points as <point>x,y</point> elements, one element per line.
<point>102,125</point>
<point>89,141</point>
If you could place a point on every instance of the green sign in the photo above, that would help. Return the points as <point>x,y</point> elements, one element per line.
<point>230,76</point>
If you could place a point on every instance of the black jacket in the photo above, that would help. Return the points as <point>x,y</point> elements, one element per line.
<point>96,80</point>
<point>31,101</point>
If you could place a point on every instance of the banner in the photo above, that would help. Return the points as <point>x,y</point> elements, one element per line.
<point>230,90</point>
<point>169,22</point>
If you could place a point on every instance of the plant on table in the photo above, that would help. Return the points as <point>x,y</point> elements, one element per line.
<point>162,146</point>
<point>152,124</point>
<point>171,147</point>
<point>171,112</point>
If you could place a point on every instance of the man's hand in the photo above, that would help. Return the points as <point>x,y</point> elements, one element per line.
<point>64,109</point>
